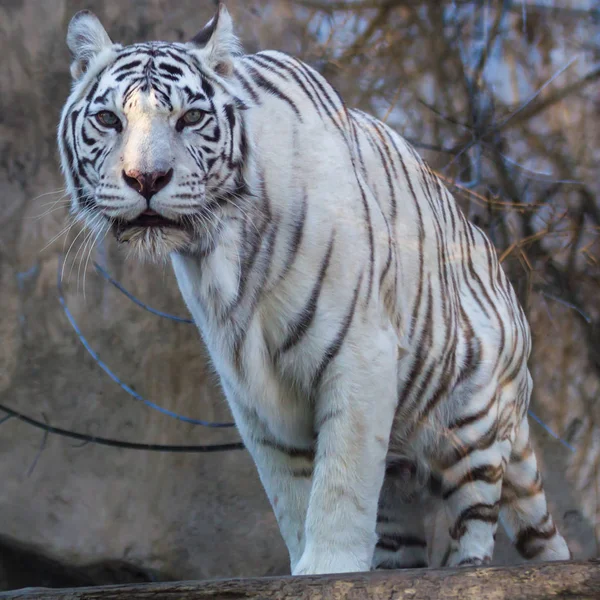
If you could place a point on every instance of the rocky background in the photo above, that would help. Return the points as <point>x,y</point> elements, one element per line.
<point>477,86</point>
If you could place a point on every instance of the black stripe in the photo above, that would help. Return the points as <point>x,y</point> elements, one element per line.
<point>127,66</point>
<point>526,539</point>
<point>313,76</point>
<point>423,348</point>
<point>489,474</point>
<point>192,96</point>
<point>356,139</point>
<point>448,354</point>
<point>371,241</point>
<point>333,350</point>
<point>487,513</point>
<point>525,454</point>
<point>388,174</point>
<point>298,329</point>
<point>171,69</point>
<point>250,238</point>
<point>392,542</point>
<point>247,87</point>
<point>388,260</point>
<point>513,491</point>
<point>92,91</point>
<point>230,116</point>
<point>270,87</point>
<point>474,347</point>
<point>88,141</point>
<point>296,240</point>
<point>267,258</point>
<point>484,442</point>
<point>171,53</point>
<point>306,453</point>
<point>207,88</point>
<point>288,69</point>
<point>416,307</point>
<point>469,419</point>
<point>259,61</point>
<point>102,98</point>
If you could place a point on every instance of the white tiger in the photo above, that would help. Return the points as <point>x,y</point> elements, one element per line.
<point>370,347</point>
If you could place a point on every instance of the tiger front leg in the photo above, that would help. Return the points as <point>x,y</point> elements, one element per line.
<point>285,473</point>
<point>286,477</point>
<point>354,414</point>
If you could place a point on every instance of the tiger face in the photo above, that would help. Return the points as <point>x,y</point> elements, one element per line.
<point>152,139</point>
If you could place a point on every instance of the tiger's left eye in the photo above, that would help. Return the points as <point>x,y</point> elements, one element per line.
<point>108,119</point>
<point>191,117</point>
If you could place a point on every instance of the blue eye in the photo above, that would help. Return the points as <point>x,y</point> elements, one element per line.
<point>191,117</point>
<point>108,119</point>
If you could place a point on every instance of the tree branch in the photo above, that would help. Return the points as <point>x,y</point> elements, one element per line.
<point>545,581</point>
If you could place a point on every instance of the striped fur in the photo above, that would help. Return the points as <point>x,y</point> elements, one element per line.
<point>372,350</point>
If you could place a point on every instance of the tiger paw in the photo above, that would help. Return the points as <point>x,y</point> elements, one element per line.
<point>330,561</point>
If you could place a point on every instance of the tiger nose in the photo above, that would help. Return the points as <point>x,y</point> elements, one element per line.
<point>147,184</point>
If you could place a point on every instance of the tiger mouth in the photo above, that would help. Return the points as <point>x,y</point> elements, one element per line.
<point>147,220</point>
<point>153,219</point>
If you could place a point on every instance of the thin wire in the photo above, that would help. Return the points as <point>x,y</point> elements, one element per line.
<point>114,377</point>
<point>117,443</point>
<point>569,304</point>
<point>554,435</point>
<point>104,273</point>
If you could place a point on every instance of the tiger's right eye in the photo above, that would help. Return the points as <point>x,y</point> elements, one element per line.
<point>108,119</point>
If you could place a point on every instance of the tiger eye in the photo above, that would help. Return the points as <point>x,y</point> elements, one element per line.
<point>108,119</point>
<point>193,116</point>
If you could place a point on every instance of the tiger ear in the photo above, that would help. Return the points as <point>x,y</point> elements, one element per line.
<point>216,43</point>
<point>86,38</point>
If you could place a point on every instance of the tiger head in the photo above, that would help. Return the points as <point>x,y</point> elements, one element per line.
<point>152,138</point>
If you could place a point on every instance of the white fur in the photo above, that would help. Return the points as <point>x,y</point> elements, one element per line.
<point>405,280</point>
<point>86,39</point>
<point>223,45</point>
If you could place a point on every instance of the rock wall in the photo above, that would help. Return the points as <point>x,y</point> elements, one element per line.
<point>174,515</point>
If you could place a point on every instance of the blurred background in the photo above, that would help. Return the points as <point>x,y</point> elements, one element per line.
<point>503,100</point>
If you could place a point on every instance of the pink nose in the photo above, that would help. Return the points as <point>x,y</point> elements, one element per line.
<point>147,184</point>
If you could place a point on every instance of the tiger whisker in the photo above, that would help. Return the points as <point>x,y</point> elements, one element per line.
<point>59,204</point>
<point>83,229</point>
<point>82,249</point>
<point>63,231</point>
<point>101,230</point>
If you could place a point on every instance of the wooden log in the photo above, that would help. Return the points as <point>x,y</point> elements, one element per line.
<point>542,581</point>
